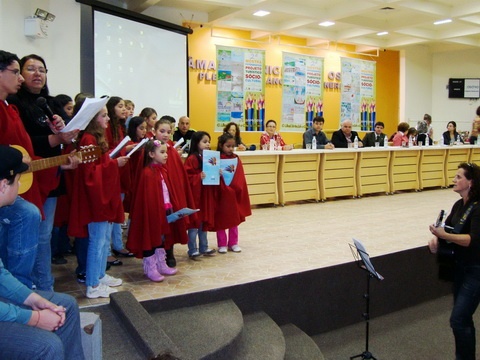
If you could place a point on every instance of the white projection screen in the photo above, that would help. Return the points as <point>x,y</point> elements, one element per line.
<point>142,63</point>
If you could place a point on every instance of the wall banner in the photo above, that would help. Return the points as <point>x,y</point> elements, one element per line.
<point>240,88</point>
<point>358,100</point>
<point>302,91</point>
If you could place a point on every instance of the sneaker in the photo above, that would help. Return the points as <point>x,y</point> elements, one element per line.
<point>222,249</point>
<point>194,255</point>
<point>81,278</point>
<point>110,281</point>
<point>209,252</point>
<point>101,290</point>
<point>235,248</point>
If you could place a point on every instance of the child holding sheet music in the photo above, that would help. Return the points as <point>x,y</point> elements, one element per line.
<point>181,190</point>
<point>233,202</point>
<point>204,196</point>
<point>150,235</point>
<point>96,204</point>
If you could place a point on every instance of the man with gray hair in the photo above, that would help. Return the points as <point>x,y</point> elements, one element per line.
<point>345,136</point>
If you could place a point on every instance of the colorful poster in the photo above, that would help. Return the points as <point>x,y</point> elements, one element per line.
<point>302,95</point>
<point>211,167</point>
<point>228,166</point>
<point>358,99</point>
<point>240,88</point>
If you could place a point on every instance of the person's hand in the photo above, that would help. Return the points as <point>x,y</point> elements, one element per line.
<point>73,162</point>
<point>288,147</point>
<point>329,146</point>
<point>49,320</point>
<point>26,159</point>
<point>433,245</point>
<point>203,175</point>
<point>360,144</point>
<point>438,231</point>
<point>47,308</point>
<point>122,161</point>
<point>58,123</point>
<point>241,147</point>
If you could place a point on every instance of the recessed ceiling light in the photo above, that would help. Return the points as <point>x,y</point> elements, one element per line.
<point>261,13</point>
<point>326,23</point>
<point>382,33</point>
<point>440,22</point>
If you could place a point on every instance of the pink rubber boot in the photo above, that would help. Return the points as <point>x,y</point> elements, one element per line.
<point>162,266</point>
<point>150,268</point>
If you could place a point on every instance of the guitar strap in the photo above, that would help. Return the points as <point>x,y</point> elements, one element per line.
<point>458,228</point>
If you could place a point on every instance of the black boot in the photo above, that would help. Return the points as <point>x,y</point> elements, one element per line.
<point>171,262</point>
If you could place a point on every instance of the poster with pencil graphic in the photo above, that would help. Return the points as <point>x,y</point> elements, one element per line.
<point>211,167</point>
<point>228,166</point>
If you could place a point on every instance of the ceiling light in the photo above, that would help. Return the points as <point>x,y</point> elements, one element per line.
<point>261,13</point>
<point>326,23</point>
<point>382,33</point>
<point>440,22</point>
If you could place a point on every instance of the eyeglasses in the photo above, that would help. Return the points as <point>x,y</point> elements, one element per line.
<point>15,72</point>
<point>32,70</point>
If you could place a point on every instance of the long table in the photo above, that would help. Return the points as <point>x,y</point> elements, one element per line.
<point>277,177</point>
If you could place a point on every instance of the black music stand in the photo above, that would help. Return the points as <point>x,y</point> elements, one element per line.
<point>363,261</point>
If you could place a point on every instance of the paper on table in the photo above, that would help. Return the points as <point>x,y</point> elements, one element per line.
<point>138,146</point>
<point>89,109</point>
<point>119,147</point>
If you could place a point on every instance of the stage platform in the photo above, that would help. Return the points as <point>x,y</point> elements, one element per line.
<point>297,238</point>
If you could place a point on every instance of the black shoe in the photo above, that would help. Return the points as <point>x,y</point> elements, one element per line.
<point>127,254</point>
<point>115,262</point>
<point>171,262</point>
<point>59,260</point>
<point>81,278</point>
<point>108,266</point>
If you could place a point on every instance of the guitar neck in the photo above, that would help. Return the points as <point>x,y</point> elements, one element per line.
<point>46,163</point>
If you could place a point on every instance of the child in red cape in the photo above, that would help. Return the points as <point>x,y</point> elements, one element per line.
<point>181,189</point>
<point>150,234</point>
<point>204,196</point>
<point>233,204</point>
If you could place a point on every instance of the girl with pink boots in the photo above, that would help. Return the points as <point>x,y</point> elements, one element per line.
<point>150,234</point>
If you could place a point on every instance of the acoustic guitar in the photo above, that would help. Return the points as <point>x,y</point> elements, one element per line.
<point>85,154</point>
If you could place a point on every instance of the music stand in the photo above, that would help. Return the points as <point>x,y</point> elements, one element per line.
<point>363,261</point>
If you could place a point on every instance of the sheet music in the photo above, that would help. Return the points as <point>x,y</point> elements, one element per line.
<point>178,143</point>
<point>89,109</point>
<point>138,146</point>
<point>119,147</point>
<point>366,259</point>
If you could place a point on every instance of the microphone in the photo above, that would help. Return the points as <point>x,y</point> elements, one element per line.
<point>42,104</point>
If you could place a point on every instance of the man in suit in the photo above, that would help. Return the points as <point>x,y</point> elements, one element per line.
<point>345,136</point>
<point>375,137</point>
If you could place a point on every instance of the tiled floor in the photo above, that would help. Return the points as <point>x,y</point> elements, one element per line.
<point>285,240</point>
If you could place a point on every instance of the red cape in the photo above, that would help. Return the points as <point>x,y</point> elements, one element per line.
<point>233,204</point>
<point>95,193</point>
<point>204,197</point>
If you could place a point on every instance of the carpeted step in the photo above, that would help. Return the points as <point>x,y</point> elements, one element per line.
<point>147,335</point>
<point>261,338</point>
<point>203,331</point>
<point>300,346</point>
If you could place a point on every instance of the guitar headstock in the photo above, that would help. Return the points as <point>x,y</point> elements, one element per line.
<point>89,153</point>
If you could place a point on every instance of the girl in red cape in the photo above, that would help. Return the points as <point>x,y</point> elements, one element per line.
<point>203,196</point>
<point>150,234</point>
<point>180,191</point>
<point>233,204</point>
<point>96,204</point>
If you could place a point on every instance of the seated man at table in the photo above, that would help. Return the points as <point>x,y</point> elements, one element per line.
<point>345,136</point>
<point>34,325</point>
<point>183,130</point>
<point>317,133</point>
<point>376,136</point>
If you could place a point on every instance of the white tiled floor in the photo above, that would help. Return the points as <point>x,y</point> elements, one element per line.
<point>283,240</point>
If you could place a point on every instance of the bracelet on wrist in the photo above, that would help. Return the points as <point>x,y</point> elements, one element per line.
<point>38,319</point>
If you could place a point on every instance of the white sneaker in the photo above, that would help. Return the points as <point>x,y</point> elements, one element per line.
<point>222,249</point>
<point>110,281</point>
<point>100,291</point>
<point>236,248</point>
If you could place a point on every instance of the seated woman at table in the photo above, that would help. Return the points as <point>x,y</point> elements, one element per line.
<point>422,128</point>
<point>400,138</point>
<point>271,134</point>
<point>233,129</point>
<point>413,133</point>
<point>451,136</point>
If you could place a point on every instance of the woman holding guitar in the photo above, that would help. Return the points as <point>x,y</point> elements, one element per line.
<point>464,233</point>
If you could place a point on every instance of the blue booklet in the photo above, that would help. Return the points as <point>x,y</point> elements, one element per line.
<point>211,167</point>
<point>180,214</point>
<point>228,166</point>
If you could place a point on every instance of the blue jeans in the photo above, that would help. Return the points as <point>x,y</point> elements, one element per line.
<point>19,227</point>
<point>20,341</point>
<point>117,242</point>
<point>98,245</point>
<point>42,270</point>
<point>466,299</point>
<point>192,240</point>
